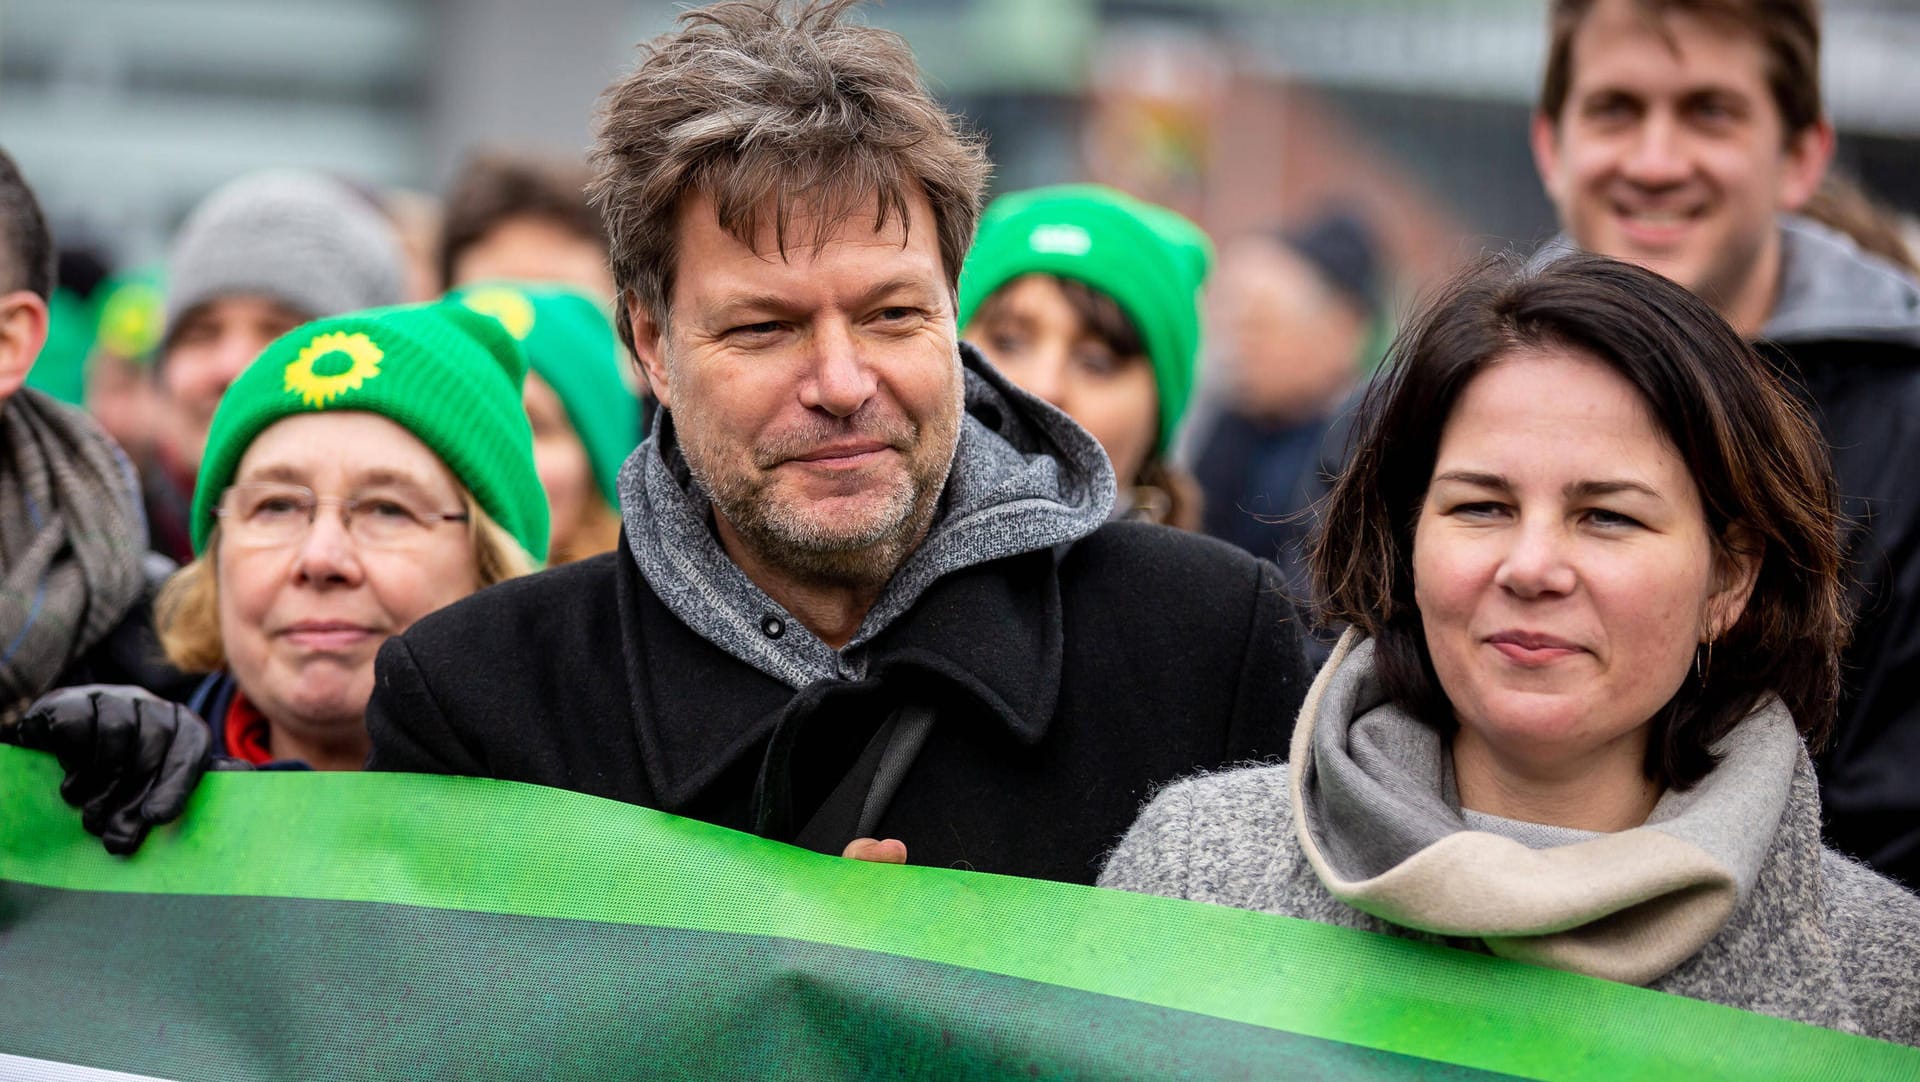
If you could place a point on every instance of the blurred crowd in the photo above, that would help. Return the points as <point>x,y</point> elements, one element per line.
<point>881,510</point>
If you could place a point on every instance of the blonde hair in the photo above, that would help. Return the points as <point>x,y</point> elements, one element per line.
<point>187,611</point>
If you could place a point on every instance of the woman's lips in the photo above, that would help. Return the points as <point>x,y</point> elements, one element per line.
<point>327,636</point>
<point>1531,648</point>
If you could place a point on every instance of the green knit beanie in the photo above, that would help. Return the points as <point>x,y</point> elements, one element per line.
<point>443,372</point>
<point>570,343</point>
<point>1147,258</point>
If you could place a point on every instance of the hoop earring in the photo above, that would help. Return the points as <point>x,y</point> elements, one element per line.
<point>1700,667</point>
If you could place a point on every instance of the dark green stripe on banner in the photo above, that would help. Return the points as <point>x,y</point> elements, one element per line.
<point>301,989</point>
<point>519,851</point>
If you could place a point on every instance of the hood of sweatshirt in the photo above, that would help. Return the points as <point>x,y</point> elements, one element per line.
<point>1830,290</point>
<point>1024,477</point>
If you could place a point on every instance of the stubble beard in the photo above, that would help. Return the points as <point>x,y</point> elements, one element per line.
<point>813,545</point>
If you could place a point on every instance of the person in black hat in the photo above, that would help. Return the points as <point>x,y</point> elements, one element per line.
<point>1296,312</point>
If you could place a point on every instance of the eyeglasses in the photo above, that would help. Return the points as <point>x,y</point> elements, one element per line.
<point>270,514</point>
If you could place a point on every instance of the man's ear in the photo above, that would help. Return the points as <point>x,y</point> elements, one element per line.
<point>1736,569</point>
<point>23,330</point>
<point>1808,155</point>
<point>1544,136</point>
<point>649,346</point>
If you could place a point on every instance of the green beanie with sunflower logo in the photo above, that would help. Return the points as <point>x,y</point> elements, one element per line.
<point>442,371</point>
<point>570,344</point>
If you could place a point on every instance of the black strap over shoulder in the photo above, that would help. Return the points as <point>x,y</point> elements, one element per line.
<point>854,807</point>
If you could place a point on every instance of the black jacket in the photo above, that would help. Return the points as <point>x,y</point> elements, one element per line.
<point>1848,326</point>
<point>1866,397</point>
<point>1067,684</point>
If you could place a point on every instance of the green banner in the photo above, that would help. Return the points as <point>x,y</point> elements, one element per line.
<point>392,926</point>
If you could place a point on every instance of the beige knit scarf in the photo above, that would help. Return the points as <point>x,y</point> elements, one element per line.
<point>1378,822</point>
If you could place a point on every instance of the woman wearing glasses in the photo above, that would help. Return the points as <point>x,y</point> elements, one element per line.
<point>364,471</point>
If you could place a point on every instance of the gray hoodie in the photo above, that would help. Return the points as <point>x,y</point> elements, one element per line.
<point>1024,477</point>
<point>1830,290</point>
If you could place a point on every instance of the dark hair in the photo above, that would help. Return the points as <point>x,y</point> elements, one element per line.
<point>493,187</point>
<point>1789,32</point>
<point>764,108</point>
<point>27,262</point>
<point>1766,486</point>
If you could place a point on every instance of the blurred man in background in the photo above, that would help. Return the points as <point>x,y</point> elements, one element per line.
<point>258,257</point>
<point>1683,135</point>
<point>1296,312</point>
<point>520,226</point>
<point>523,219</point>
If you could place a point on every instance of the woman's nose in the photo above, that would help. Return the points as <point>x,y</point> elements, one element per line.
<point>1536,564</point>
<point>1045,377</point>
<point>327,552</point>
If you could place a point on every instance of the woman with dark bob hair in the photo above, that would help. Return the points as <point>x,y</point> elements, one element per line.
<point>1587,549</point>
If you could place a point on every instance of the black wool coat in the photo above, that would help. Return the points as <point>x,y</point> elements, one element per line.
<point>1067,684</point>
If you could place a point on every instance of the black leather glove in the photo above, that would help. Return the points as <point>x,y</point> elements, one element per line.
<point>131,757</point>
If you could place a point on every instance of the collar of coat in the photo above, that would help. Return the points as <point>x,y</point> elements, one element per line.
<point>983,644</point>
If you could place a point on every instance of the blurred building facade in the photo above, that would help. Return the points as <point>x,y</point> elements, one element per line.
<point>1241,112</point>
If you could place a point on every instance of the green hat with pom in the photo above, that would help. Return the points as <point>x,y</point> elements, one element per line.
<point>1146,257</point>
<point>443,372</point>
<point>570,343</point>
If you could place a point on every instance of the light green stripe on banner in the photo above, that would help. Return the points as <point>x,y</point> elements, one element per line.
<point>469,844</point>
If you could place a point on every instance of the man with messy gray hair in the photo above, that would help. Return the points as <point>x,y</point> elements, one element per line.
<point>867,589</point>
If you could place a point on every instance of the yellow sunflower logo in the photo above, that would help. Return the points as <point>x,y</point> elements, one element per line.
<point>510,307</point>
<point>130,320</point>
<point>331,365</point>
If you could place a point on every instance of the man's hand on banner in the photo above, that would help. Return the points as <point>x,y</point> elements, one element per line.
<point>131,757</point>
<point>876,851</point>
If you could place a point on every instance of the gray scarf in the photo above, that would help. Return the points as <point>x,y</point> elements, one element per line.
<point>1024,477</point>
<point>1377,818</point>
<point>71,540</point>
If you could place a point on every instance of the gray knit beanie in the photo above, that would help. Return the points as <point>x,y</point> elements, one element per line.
<point>299,238</point>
